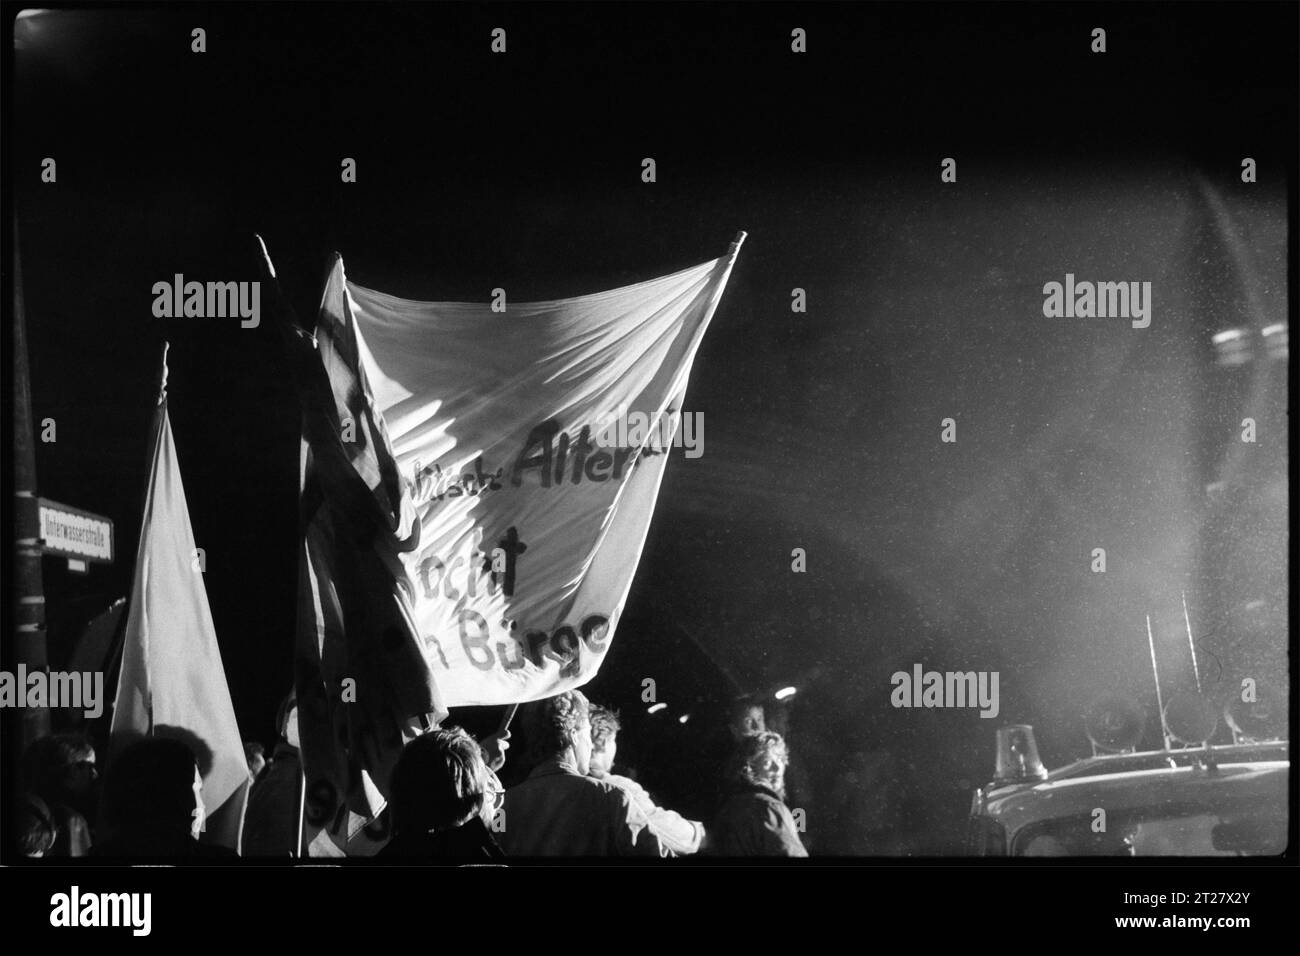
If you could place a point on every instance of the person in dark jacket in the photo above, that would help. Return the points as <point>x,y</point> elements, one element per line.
<point>153,804</point>
<point>754,820</point>
<point>275,803</point>
<point>441,801</point>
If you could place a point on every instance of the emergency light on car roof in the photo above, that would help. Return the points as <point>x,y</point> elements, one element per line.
<point>1018,756</point>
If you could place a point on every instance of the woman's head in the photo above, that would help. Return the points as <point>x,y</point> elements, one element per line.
<point>760,760</point>
<point>604,738</point>
<point>438,783</point>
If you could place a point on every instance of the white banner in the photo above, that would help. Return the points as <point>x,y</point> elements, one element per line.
<point>532,438</point>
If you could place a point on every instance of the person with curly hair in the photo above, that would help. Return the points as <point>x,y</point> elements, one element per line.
<point>754,820</point>
<point>558,809</point>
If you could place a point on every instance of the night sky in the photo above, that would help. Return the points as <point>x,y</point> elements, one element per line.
<point>822,430</point>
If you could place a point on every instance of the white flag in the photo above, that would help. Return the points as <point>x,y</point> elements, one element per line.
<point>172,683</point>
<point>532,438</point>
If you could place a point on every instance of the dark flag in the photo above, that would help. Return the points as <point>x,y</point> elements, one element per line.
<point>364,687</point>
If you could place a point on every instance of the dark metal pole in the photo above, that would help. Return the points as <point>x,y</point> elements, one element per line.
<point>29,641</point>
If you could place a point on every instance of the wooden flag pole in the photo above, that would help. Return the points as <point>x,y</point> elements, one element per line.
<point>501,733</point>
<point>505,720</point>
<point>302,799</point>
<point>281,309</point>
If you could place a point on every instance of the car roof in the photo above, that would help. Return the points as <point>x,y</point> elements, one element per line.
<point>1122,782</point>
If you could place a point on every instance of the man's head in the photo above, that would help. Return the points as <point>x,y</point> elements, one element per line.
<point>438,783</point>
<point>155,784</point>
<point>604,739</point>
<point>761,760</point>
<point>560,727</point>
<point>746,718</point>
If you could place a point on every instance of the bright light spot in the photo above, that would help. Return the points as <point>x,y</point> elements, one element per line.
<point>1232,346</point>
<point>785,692</point>
<point>683,718</point>
<point>29,25</point>
<point>655,708</point>
<point>1275,339</point>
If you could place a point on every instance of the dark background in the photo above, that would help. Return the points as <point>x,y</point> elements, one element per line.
<point>821,429</point>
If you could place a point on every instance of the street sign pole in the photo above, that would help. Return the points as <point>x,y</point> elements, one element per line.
<point>29,639</point>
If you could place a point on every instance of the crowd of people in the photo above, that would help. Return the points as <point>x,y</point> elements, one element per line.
<point>446,801</point>
<point>151,803</point>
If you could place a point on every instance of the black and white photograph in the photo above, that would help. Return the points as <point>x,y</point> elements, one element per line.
<point>675,435</point>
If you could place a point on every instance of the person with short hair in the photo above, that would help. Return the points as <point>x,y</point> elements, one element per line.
<point>558,810</point>
<point>754,820</point>
<point>153,803</point>
<point>441,801</point>
<point>682,836</point>
<point>746,717</point>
